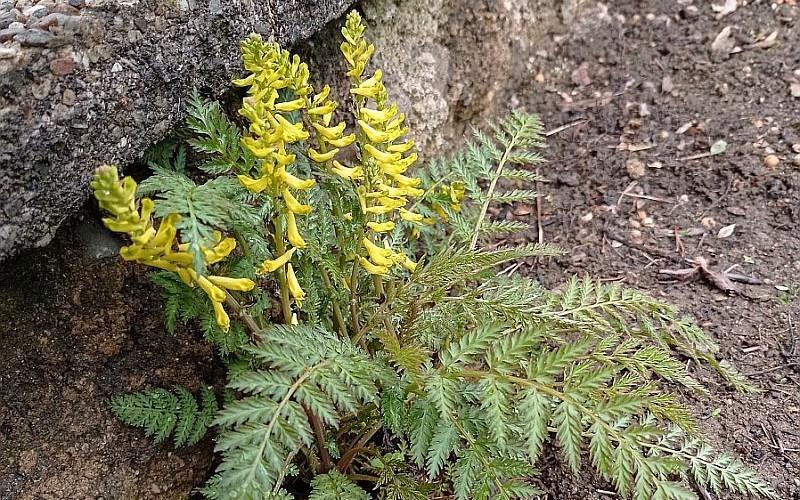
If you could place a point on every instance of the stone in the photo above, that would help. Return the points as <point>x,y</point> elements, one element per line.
<point>34,38</point>
<point>36,12</point>
<point>6,18</point>
<point>66,9</point>
<point>62,66</point>
<point>68,97</point>
<point>9,33</point>
<point>49,164</point>
<point>54,19</point>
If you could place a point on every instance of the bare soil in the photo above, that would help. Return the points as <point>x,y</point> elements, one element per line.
<point>78,330</point>
<point>648,71</point>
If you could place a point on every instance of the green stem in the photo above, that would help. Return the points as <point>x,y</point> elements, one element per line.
<point>499,170</point>
<point>280,248</point>
<point>338,319</point>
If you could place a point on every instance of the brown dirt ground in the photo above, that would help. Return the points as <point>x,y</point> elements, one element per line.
<point>744,100</point>
<point>78,331</point>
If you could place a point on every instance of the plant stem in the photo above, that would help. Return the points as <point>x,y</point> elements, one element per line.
<point>280,248</point>
<point>319,436</point>
<point>242,313</point>
<point>338,319</point>
<point>354,305</point>
<point>499,170</point>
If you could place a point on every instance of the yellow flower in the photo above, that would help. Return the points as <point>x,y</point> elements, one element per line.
<point>269,266</point>
<point>378,255</point>
<point>289,106</point>
<point>293,205</point>
<point>238,284</point>
<point>373,134</point>
<point>220,251</point>
<point>372,268</point>
<point>221,316</point>
<point>214,292</point>
<point>410,264</point>
<point>254,185</point>
<point>410,216</point>
<point>342,142</point>
<point>292,234</point>
<point>321,157</point>
<point>295,182</point>
<point>294,285</point>
<point>381,156</point>
<point>381,227</point>
<point>349,173</point>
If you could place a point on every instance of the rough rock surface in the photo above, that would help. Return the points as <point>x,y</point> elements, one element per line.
<point>453,64</point>
<point>89,81</point>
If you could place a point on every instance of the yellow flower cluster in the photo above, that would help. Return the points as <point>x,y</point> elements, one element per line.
<point>384,190</point>
<point>155,248</point>
<point>274,74</point>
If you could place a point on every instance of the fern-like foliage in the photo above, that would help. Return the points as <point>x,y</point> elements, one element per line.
<point>162,413</point>
<point>414,361</point>
<point>299,370</point>
<point>335,486</point>
<point>484,166</point>
<point>215,135</point>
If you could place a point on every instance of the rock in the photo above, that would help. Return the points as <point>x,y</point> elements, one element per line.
<point>635,168</point>
<point>451,64</point>
<point>6,18</point>
<point>66,9</point>
<point>54,19</point>
<point>68,97</point>
<point>34,38</point>
<point>47,155</point>
<point>62,66</point>
<point>9,33</point>
<point>36,12</point>
<point>771,161</point>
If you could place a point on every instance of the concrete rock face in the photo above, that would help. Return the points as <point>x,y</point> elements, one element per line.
<point>84,82</point>
<point>453,64</point>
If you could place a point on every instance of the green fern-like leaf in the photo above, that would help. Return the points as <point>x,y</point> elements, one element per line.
<point>335,486</point>
<point>161,413</point>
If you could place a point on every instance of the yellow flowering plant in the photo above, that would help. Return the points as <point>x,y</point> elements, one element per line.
<point>373,349</point>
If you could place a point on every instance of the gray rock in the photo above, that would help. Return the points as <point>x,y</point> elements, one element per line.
<point>34,38</point>
<point>9,33</point>
<point>6,18</point>
<point>47,157</point>
<point>36,12</point>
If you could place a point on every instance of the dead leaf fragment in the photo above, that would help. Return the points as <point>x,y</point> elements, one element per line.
<point>724,42</point>
<point>727,231</point>
<point>723,10</point>
<point>580,76</point>
<point>636,168</point>
<point>769,41</point>
<point>666,84</point>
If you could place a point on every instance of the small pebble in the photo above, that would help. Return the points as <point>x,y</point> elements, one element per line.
<point>68,97</point>
<point>78,4</point>
<point>34,38</point>
<point>116,68</point>
<point>9,33</point>
<point>635,168</point>
<point>62,66</point>
<point>35,12</point>
<point>6,18</point>
<point>771,161</point>
<point>796,160</point>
